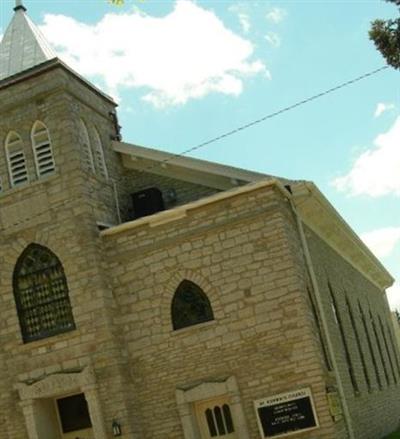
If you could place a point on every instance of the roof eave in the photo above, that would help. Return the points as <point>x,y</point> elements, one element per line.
<point>321,217</point>
<point>144,159</point>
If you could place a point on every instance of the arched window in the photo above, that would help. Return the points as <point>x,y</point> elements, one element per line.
<point>41,294</point>
<point>99,155</point>
<point>42,151</point>
<point>16,159</point>
<point>86,147</point>
<point>190,306</point>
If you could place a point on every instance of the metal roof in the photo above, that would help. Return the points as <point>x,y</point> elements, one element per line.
<point>23,46</point>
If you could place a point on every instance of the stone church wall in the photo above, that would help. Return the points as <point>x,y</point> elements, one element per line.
<point>374,408</point>
<point>240,251</point>
<point>55,212</point>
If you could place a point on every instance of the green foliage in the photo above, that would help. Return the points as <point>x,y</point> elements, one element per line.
<point>386,36</point>
<point>395,435</point>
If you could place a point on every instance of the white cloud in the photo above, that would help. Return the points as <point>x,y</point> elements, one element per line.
<point>244,18</point>
<point>276,15</point>
<point>273,39</point>
<point>245,22</point>
<point>382,107</point>
<point>393,295</point>
<point>382,241</point>
<point>184,55</point>
<point>376,172</point>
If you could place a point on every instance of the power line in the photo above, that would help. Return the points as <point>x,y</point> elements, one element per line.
<point>267,117</point>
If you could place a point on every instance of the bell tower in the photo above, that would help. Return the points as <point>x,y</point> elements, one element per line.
<point>58,182</point>
<point>78,121</point>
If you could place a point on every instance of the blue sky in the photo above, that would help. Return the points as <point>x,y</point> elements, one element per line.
<point>184,72</point>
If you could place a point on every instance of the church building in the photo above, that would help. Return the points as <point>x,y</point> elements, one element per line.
<point>149,296</point>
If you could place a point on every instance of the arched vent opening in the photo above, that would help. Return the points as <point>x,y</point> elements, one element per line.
<point>16,159</point>
<point>99,155</point>
<point>42,150</point>
<point>86,147</point>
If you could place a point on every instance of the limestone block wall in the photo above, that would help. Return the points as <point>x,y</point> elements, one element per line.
<point>240,251</point>
<point>63,223</point>
<point>366,351</point>
<point>396,326</point>
<point>55,212</point>
<point>59,100</point>
<point>24,103</point>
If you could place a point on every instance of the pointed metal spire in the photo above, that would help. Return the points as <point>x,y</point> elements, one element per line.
<point>23,46</point>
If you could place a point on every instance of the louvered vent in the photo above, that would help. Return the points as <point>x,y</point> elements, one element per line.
<point>86,148</point>
<point>43,153</point>
<point>16,160</point>
<point>99,155</point>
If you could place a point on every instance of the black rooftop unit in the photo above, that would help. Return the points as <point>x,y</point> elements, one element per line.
<point>147,202</point>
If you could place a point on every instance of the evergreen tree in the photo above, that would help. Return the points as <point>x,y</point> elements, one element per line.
<point>386,36</point>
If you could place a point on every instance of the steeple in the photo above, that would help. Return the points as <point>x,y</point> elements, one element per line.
<point>19,5</point>
<point>23,46</point>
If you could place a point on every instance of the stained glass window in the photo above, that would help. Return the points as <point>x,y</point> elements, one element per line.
<point>190,306</point>
<point>41,294</point>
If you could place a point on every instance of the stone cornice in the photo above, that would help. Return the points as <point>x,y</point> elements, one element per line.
<point>45,67</point>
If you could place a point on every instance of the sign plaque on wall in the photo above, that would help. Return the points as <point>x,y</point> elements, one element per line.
<point>286,413</point>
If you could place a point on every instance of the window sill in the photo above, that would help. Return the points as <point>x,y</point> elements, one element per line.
<point>48,342</point>
<point>199,326</point>
<point>28,184</point>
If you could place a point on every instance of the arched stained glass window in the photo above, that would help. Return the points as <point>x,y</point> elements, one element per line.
<point>41,294</point>
<point>190,306</point>
<point>42,151</point>
<point>86,147</point>
<point>16,159</point>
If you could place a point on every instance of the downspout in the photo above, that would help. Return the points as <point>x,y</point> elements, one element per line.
<point>317,294</point>
<point>116,199</point>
